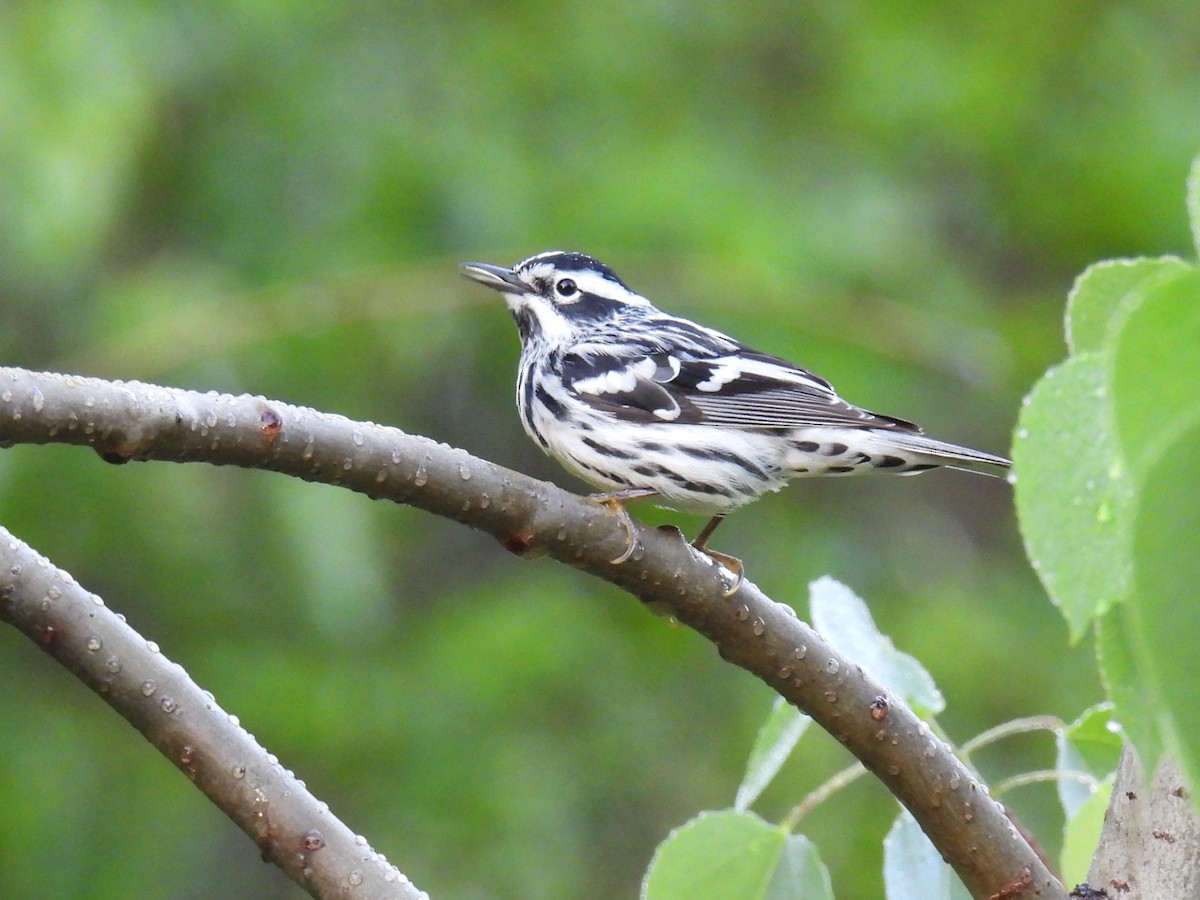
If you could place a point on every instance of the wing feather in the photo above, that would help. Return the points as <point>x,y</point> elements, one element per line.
<point>730,386</point>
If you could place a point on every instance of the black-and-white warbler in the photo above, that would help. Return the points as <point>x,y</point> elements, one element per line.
<point>645,404</point>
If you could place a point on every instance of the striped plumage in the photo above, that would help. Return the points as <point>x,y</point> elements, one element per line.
<point>639,402</point>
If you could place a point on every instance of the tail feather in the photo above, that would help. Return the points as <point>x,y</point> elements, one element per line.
<point>952,456</point>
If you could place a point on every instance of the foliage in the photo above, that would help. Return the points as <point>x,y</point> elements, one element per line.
<point>735,853</point>
<point>1105,455</point>
<point>272,198</point>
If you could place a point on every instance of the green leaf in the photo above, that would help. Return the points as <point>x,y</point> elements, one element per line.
<point>912,867</point>
<point>1156,370</point>
<point>734,854</point>
<point>1071,491</point>
<point>1147,652</point>
<point>775,741</point>
<point>1081,834</point>
<point>1164,611</point>
<point>839,614</point>
<point>1107,491</point>
<point>1089,424</point>
<point>800,872</point>
<point>1106,291</point>
<point>1090,746</point>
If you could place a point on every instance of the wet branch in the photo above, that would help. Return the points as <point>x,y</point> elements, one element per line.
<point>129,421</point>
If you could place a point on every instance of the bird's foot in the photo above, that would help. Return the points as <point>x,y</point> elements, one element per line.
<point>615,500</point>
<point>732,563</point>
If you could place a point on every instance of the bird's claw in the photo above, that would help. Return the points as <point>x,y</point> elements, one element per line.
<point>615,500</point>
<point>631,542</point>
<point>731,563</point>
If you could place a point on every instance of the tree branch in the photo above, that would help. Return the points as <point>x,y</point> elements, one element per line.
<point>158,698</point>
<point>131,421</point>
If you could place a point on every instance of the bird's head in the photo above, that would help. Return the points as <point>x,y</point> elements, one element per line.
<point>555,295</point>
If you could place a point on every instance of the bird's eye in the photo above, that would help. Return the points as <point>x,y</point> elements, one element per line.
<point>566,287</point>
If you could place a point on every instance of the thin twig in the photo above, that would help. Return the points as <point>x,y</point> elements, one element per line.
<point>1009,729</point>
<point>832,785</point>
<point>1041,776</point>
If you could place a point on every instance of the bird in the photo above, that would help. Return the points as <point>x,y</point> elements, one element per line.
<point>644,404</point>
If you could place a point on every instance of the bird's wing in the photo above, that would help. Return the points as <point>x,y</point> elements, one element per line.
<point>736,387</point>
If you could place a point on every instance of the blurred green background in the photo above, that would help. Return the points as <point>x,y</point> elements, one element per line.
<point>273,198</point>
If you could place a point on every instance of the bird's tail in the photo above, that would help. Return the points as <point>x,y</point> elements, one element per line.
<point>951,455</point>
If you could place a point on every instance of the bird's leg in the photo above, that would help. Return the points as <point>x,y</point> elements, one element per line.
<point>615,500</point>
<point>732,563</point>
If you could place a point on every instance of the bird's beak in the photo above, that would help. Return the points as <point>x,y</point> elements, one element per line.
<point>495,277</point>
